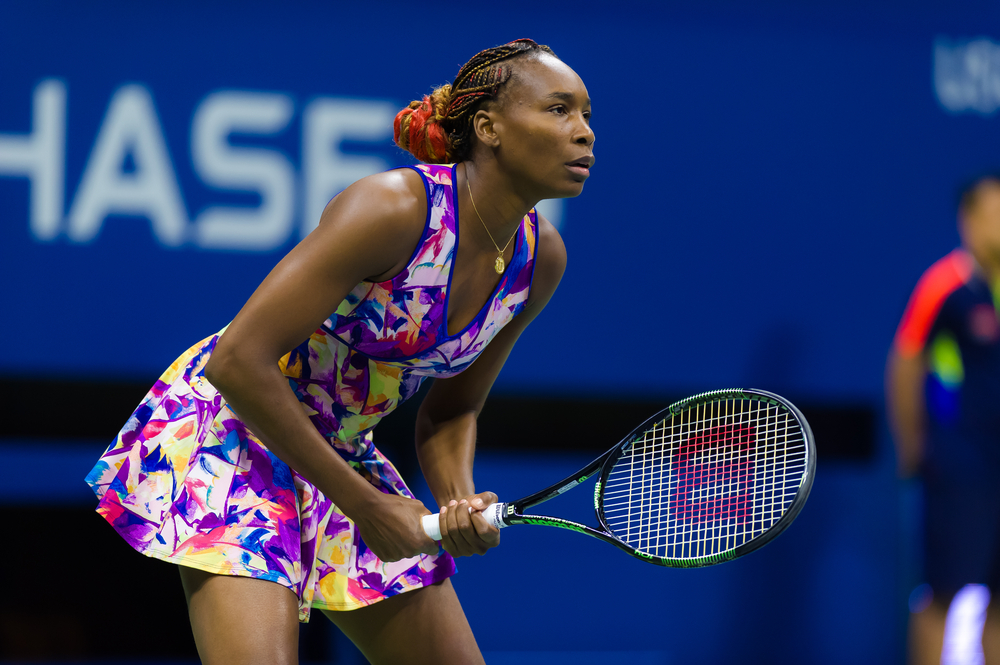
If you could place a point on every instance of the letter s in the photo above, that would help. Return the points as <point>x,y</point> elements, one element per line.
<point>265,172</point>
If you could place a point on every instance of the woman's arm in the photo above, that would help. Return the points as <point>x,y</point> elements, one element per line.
<point>446,421</point>
<point>368,230</point>
<point>904,394</point>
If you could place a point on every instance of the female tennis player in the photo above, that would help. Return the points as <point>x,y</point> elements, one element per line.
<point>250,462</point>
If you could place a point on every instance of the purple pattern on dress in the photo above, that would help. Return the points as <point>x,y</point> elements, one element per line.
<point>185,481</point>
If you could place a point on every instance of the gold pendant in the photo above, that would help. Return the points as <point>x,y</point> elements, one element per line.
<point>499,265</point>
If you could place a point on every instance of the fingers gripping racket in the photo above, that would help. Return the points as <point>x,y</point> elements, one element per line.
<point>706,480</point>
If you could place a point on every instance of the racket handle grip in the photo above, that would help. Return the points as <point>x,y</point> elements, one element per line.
<point>432,523</point>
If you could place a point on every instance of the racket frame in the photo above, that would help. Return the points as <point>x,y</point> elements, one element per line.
<point>512,513</point>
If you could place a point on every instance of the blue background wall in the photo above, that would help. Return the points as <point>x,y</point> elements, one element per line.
<point>770,183</point>
<point>767,179</point>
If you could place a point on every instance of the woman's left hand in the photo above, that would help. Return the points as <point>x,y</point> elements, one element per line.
<point>465,533</point>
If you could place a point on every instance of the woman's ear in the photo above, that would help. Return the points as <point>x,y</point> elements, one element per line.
<point>485,129</point>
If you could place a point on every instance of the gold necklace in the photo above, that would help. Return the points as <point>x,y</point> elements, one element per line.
<point>499,265</point>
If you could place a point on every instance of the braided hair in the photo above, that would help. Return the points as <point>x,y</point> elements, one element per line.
<point>438,128</point>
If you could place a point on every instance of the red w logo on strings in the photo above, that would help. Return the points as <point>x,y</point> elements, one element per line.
<point>714,472</point>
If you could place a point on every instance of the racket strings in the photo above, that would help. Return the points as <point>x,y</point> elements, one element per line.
<point>707,480</point>
<point>699,491</point>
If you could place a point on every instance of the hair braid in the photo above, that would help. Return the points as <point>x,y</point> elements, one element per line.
<point>438,129</point>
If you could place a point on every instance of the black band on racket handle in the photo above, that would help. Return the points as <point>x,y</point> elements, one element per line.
<point>492,513</point>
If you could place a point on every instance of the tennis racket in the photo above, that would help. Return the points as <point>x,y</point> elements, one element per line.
<point>706,480</point>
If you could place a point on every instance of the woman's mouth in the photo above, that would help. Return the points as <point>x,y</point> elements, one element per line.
<point>581,166</point>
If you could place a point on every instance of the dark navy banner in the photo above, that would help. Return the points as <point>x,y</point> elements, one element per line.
<point>768,186</point>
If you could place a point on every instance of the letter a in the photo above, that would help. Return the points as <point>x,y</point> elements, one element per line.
<point>130,127</point>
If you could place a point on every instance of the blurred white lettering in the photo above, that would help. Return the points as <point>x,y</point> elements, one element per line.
<point>327,170</point>
<point>967,75</point>
<point>266,172</point>
<point>130,172</point>
<point>130,128</point>
<point>39,156</point>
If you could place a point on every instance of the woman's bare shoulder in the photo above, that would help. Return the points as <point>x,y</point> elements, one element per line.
<point>384,198</point>
<point>386,212</point>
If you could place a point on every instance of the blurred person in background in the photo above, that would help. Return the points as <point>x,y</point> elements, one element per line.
<point>943,399</point>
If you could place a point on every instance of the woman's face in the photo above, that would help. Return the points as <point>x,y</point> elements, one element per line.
<point>542,125</point>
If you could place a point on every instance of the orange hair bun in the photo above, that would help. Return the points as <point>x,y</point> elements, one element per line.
<point>418,129</point>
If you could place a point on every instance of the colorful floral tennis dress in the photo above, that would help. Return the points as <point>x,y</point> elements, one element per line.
<point>187,482</point>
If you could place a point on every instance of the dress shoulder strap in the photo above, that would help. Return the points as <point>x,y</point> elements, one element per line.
<point>432,257</point>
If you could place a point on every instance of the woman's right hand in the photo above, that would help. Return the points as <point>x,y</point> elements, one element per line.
<point>390,527</point>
